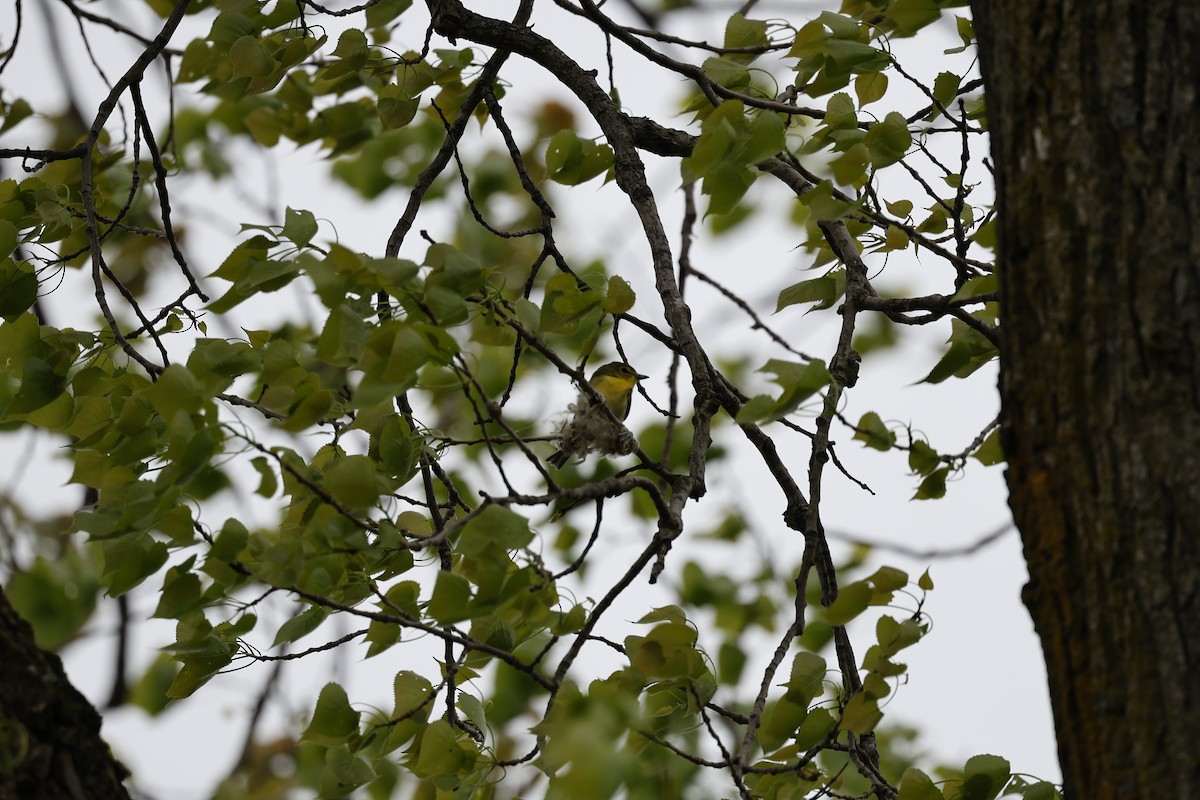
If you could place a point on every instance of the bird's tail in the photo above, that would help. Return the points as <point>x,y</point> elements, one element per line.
<point>558,459</point>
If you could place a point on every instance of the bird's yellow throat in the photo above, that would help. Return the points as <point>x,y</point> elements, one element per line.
<point>615,390</point>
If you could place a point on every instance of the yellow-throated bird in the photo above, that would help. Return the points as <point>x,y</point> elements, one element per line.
<point>591,430</point>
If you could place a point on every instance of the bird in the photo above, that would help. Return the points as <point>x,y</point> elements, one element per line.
<point>590,429</point>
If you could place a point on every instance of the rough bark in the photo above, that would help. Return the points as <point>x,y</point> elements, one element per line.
<point>1095,121</point>
<point>50,745</point>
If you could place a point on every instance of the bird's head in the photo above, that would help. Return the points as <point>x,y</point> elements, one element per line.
<point>619,371</point>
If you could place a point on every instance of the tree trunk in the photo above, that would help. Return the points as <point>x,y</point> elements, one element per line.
<point>50,745</point>
<point>1095,121</point>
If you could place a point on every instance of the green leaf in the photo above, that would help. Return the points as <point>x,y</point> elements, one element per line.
<point>742,32</point>
<point>916,785</point>
<point>451,599</point>
<point>922,459</point>
<point>756,408</point>
<point>978,286</point>
<point>840,113</point>
<point>299,226</point>
<point>398,450</point>
<point>725,186</point>
<point>945,89</point>
<point>855,57</point>
<point>255,274</point>
<point>395,108</point>
<point>454,270</point>
<point>149,692</point>
<point>966,29</point>
<point>198,667</point>
<point>824,291</point>
<point>727,71</point>
<point>8,238</point>
<point>342,339</point>
<point>954,359</point>
<point>217,362</point>
<point>799,382</point>
<point>344,771</point>
<point>16,111</point>
<point>494,526</point>
<point>894,636</point>
<point>984,777</point>
<point>447,306</point>
<point>410,693</point>
<point>176,390</point>
<point>842,26</point>
<point>391,360</point>
<point>129,560</point>
<point>822,205</point>
<point>178,524</point>
<point>888,141</point>
<point>564,154</point>
<point>807,677</point>
<point>851,601</point>
<point>300,625</point>
<point>969,350</point>
<point>197,61</point>
<point>909,16</point>
<point>333,720</point>
<point>268,484</point>
<point>718,136</point>
<point>870,87</point>
<point>353,482</point>
<point>763,139</point>
<point>181,592</point>
<point>780,722</point>
<point>875,686</point>
<point>565,304</point>
<point>850,168</point>
<point>56,221</point>
<point>896,238</point>
<point>472,709</point>
<point>934,485</point>
<point>668,651</point>
<point>925,581</point>
<point>1042,790</point>
<point>440,753</point>
<point>352,47</point>
<point>872,432</point>
<point>394,274</point>
<point>571,160</point>
<point>809,41</point>
<point>230,541</point>
<point>385,11</point>
<point>889,579</point>
<point>18,286</point>
<point>37,593</point>
<point>250,59</point>
<point>815,727</point>
<point>620,297</point>
<point>41,383</point>
<point>862,714</point>
<point>989,453</point>
<point>937,221</point>
<point>671,613</point>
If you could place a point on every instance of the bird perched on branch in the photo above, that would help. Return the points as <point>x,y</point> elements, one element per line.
<point>590,429</point>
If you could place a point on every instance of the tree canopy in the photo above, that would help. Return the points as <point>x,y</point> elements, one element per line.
<point>302,443</point>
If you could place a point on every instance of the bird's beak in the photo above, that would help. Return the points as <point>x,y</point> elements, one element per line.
<point>641,377</point>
